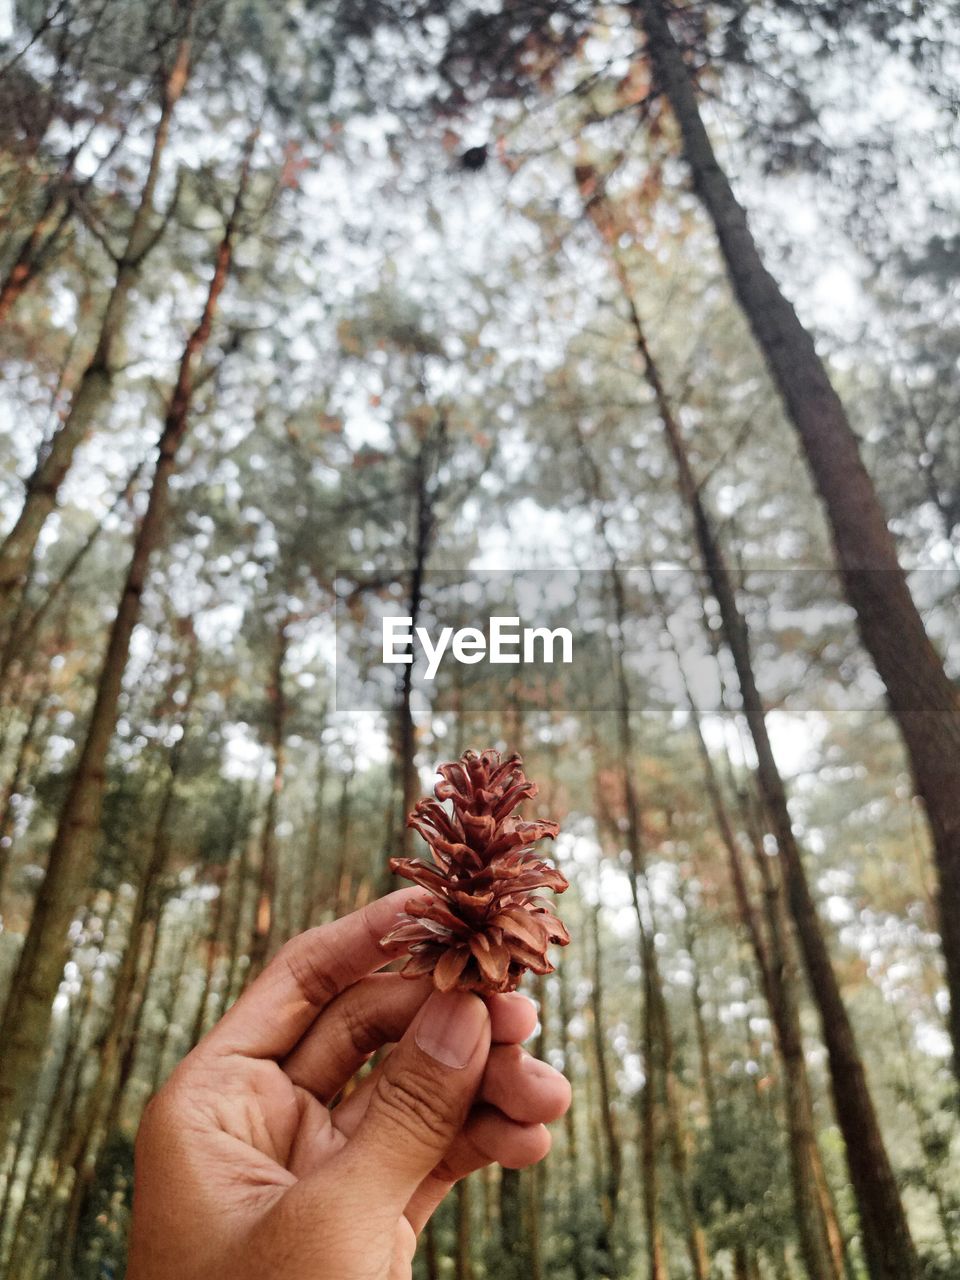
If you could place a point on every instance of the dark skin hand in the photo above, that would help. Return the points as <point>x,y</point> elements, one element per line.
<point>247,1168</point>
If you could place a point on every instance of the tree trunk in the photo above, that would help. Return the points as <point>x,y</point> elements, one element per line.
<point>26,754</point>
<point>97,1115</point>
<point>265,925</point>
<point>462,1268</point>
<point>341,887</point>
<point>924,702</point>
<point>610,1195</point>
<point>821,1242</point>
<point>693,1235</point>
<point>23,630</point>
<point>570,1133</point>
<point>424,486</point>
<point>216,943</point>
<point>27,1015</point>
<point>886,1234</point>
<point>316,884</point>
<point>655,1015</point>
<point>53,217</point>
<point>650,1139</point>
<point>17,548</point>
<point>514,1241</point>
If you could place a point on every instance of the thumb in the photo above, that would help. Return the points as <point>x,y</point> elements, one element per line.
<point>423,1092</point>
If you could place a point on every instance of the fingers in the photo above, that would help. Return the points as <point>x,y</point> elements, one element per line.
<point>419,1100</point>
<point>488,1138</point>
<point>513,1017</point>
<point>376,1011</point>
<point>523,1088</point>
<point>303,978</point>
<point>373,1012</point>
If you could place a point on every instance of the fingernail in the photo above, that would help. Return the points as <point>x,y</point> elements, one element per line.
<point>451,1024</point>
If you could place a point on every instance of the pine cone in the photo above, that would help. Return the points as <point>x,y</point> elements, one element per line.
<point>484,924</point>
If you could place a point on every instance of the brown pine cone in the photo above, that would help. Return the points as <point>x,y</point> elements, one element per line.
<point>484,924</point>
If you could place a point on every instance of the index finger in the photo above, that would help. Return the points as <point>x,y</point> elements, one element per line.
<point>307,973</point>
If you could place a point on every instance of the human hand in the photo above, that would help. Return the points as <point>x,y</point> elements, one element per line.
<point>245,1169</point>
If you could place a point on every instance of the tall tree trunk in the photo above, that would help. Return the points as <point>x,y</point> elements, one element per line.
<point>425,466</point>
<point>430,1255</point>
<point>610,1188</point>
<point>650,1138</point>
<point>317,890</point>
<point>887,1242</point>
<point>341,886</point>
<point>25,626</point>
<point>26,754</point>
<point>821,1242</point>
<point>574,1208</point>
<point>92,390</point>
<point>27,1014</point>
<point>265,925</point>
<point>656,1032</point>
<point>95,1118</point>
<point>514,1243</point>
<point>463,1269</point>
<point>923,700</point>
<point>51,220</point>
<point>676,1135</point>
<point>217,938</point>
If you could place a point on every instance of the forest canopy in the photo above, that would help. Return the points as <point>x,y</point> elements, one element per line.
<point>635,319</point>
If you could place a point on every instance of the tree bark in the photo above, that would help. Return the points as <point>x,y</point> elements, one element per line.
<point>27,1015</point>
<point>25,626</point>
<point>265,924</point>
<point>656,1027</point>
<point>462,1265</point>
<point>923,700</point>
<point>92,390</point>
<point>821,1242</point>
<point>26,753</point>
<point>46,230</point>
<point>888,1245</point>
<point>610,1192</point>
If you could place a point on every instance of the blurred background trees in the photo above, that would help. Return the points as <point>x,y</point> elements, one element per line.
<point>319,310</point>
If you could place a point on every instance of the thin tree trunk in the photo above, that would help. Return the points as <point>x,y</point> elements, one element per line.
<point>923,700</point>
<point>216,944</point>
<point>265,926</point>
<point>610,1194</point>
<point>650,1138</point>
<point>655,1015</point>
<point>424,485</point>
<point>676,1135</point>
<point>317,890</point>
<point>40,966</point>
<point>23,630</point>
<point>514,1242</point>
<point>820,1238</point>
<point>430,1251</point>
<point>341,886</point>
<point>53,217</point>
<point>462,1266</point>
<point>238,918</point>
<point>887,1242</point>
<point>570,1132</point>
<point>93,388</point>
<point>26,753</point>
<point>96,1118</point>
